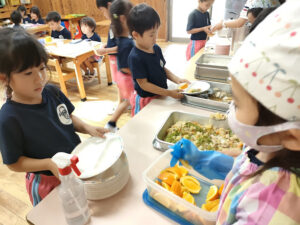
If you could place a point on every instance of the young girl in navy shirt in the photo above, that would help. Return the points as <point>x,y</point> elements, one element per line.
<point>198,26</point>
<point>36,121</point>
<point>88,26</point>
<point>35,16</point>
<point>119,11</point>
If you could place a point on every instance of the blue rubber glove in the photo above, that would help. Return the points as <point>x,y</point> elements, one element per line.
<point>211,164</point>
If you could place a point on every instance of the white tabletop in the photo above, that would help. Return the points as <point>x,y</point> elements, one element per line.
<point>72,49</point>
<point>126,207</point>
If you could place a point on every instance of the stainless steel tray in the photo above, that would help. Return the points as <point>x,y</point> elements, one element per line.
<point>201,102</point>
<point>161,145</point>
<point>212,67</point>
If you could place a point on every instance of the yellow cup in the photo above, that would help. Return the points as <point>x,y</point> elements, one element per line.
<point>48,39</point>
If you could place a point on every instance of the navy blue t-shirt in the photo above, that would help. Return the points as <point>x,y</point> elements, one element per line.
<point>37,131</point>
<point>26,20</point>
<point>63,34</point>
<point>198,19</point>
<point>95,37</point>
<point>111,41</point>
<point>150,66</point>
<point>125,45</point>
<point>40,21</point>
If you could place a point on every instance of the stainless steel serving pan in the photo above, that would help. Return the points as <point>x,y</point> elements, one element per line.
<point>161,145</point>
<point>213,68</point>
<point>206,103</point>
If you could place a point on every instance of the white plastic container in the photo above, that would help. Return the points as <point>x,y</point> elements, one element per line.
<point>181,207</point>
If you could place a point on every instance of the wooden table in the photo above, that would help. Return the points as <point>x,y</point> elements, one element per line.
<point>126,207</point>
<point>78,53</point>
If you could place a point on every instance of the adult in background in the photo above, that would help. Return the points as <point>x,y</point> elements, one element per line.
<point>243,15</point>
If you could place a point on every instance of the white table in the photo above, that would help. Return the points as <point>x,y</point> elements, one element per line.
<point>126,207</point>
<point>77,51</point>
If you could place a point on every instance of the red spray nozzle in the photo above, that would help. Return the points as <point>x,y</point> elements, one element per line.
<point>74,161</point>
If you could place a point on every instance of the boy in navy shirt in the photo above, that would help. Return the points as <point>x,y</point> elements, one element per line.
<point>198,26</point>
<point>53,19</point>
<point>22,10</point>
<point>146,61</point>
<point>16,18</point>
<point>88,26</point>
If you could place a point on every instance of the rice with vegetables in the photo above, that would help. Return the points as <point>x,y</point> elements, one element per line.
<point>205,137</point>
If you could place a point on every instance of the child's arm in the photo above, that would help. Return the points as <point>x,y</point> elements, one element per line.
<point>172,77</point>
<point>105,51</point>
<point>197,30</point>
<point>85,128</point>
<point>25,164</point>
<point>152,88</point>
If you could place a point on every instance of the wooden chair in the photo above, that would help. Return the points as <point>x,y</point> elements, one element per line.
<point>60,74</point>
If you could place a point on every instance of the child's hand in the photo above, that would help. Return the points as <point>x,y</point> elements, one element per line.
<point>53,168</point>
<point>176,94</point>
<point>180,81</point>
<point>100,51</point>
<point>96,131</point>
<point>217,27</point>
<point>207,30</point>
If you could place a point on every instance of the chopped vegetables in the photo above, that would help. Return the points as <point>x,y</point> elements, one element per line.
<point>205,137</point>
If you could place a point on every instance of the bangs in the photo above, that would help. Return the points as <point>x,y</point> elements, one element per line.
<point>22,52</point>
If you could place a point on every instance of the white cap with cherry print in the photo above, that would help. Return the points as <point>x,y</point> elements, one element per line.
<point>267,65</point>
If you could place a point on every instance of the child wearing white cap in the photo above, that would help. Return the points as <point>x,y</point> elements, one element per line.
<point>264,185</point>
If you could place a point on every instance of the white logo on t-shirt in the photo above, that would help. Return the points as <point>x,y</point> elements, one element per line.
<point>162,63</point>
<point>63,114</point>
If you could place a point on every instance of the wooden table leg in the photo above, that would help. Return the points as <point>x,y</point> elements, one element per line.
<point>79,80</point>
<point>108,72</point>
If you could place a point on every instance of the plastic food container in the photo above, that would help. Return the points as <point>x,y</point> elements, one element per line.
<point>174,203</point>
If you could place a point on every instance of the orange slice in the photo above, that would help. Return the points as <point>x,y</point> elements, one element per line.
<point>212,193</point>
<point>176,188</point>
<point>204,207</point>
<point>167,177</point>
<point>183,86</point>
<point>183,170</point>
<point>191,183</point>
<point>221,189</point>
<point>175,170</point>
<point>214,209</point>
<point>187,196</point>
<point>166,186</point>
<point>156,181</point>
<point>212,204</point>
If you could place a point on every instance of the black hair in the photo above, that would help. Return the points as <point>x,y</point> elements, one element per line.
<point>103,3</point>
<point>261,16</point>
<point>255,11</point>
<point>16,17</point>
<point>36,11</point>
<point>89,21</point>
<point>22,8</point>
<point>286,159</point>
<point>142,18</point>
<point>53,16</point>
<point>118,8</point>
<point>15,45</point>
